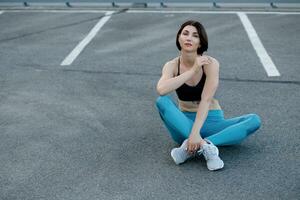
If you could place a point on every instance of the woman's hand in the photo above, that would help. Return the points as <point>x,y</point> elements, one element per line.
<point>200,61</point>
<point>194,143</point>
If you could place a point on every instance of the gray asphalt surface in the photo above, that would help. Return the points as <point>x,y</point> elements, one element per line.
<point>91,130</point>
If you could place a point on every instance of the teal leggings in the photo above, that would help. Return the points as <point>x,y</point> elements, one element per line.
<point>218,130</point>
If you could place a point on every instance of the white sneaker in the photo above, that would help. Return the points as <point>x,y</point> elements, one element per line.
<point>180,154</point>
<point>211,155</point>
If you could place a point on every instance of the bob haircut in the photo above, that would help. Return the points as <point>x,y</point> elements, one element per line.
<point>201,32</point>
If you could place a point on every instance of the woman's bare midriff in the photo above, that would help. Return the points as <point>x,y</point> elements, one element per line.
<point>192,106</point>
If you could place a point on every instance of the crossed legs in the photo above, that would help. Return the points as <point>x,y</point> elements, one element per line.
<point>218,130</point>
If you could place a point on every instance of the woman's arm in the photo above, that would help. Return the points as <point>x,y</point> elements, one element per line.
<point>211,84</point>
<point>168,83</point>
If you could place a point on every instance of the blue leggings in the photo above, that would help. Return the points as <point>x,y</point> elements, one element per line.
<point>218,130</point>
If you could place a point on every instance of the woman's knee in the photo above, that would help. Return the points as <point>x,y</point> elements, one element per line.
<point>163,102</point>
<point>255,122</point>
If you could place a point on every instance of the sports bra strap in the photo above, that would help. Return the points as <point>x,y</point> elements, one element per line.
<point>178,70</point>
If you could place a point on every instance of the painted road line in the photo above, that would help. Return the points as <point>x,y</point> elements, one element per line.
<point>77,50</point>
<point>258,46</point>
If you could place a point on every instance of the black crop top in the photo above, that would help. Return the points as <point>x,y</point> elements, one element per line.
<point>190,93</point>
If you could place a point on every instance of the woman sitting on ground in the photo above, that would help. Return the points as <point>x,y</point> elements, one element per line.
<point>197,123</point>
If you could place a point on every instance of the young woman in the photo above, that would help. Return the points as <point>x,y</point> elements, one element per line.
<point>197,123</point>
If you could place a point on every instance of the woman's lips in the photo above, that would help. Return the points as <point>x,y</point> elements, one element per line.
<point>188,44</point>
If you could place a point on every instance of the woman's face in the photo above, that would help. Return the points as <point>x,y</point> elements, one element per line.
<point>189,39</point>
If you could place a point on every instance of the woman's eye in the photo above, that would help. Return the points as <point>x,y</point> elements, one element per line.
<point>196,36</point>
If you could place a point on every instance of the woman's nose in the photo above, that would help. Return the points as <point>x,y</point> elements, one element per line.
<point>189,37</point>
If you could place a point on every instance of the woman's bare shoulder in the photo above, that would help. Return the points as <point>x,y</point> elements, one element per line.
<point>172,62</point>
<point>214,65</point>
<point>214,60</point>
<point>171,65</point>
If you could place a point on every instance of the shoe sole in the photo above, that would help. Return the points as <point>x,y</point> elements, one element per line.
<point>177,163</point>
<point>215,169</point>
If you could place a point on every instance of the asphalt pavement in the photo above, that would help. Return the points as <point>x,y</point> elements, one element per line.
<point>90,129</point>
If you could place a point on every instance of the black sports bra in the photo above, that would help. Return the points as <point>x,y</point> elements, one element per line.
<point>190,93</point>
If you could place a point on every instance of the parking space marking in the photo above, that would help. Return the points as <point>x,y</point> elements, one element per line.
<point>265,59</point>
<point>258,46</point>
<point>77,50</point>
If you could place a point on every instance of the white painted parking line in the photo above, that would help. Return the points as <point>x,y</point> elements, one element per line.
<point>76,51</point>
<point>258,46</point>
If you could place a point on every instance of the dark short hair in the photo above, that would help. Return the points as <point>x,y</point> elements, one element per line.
<point>201,32</point>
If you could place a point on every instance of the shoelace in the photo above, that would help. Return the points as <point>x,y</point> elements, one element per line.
<point>209,151</point>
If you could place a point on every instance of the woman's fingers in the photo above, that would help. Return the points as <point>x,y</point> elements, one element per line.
<point>200,61</point>
<point>207,60</point>
<point>204,60</point>
<point>192,148</point>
